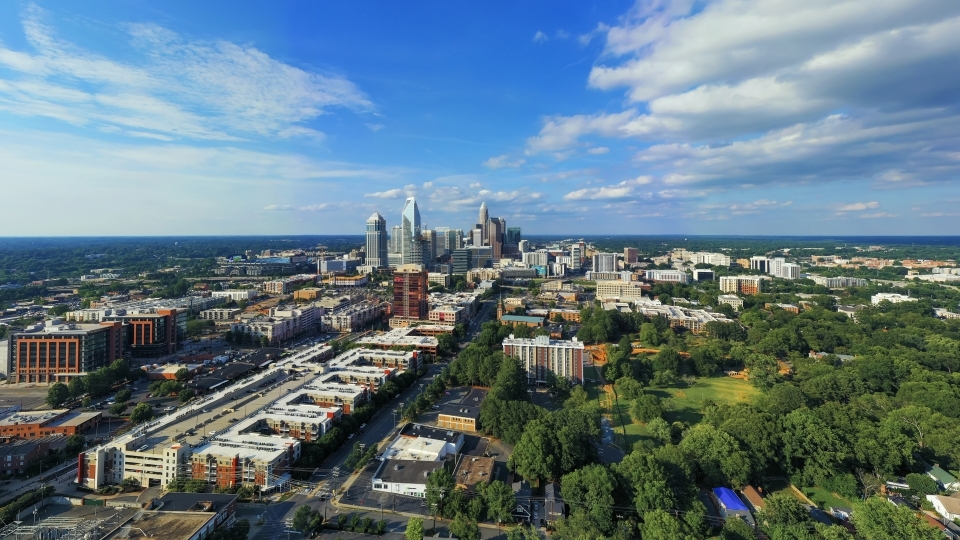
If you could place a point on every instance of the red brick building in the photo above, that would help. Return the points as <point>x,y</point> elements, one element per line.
<point>410,286</point>
<point>59,351</point>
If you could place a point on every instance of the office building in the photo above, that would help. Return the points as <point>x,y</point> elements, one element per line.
<point>524,246</point>
<point>740,284</point>
<point>396,233</point>
<point>513,236</point>
<point>410,285</point>
<point>376,247</point>
<point>152,335</point>
<point>839,282</point>
<point>893,298</point>
<point>731,300</point>
<point>702,274</point>
<point>624,275</point>
<point>761,264</point>
<point>626,291</point>
<point>605,262</point>
<point>471,257</point>
<point>34,424</point>
<point>543,358</point>
<point>236,295</point>
<point>667,276</point>
<point>288,285</point>
<point>490,232</point>
<point>713,259</point>
<point>411,247</point>
<point>56,352</point>
<point>630,255</point>
<point>417,451</point>
<point>789,271</point>
<point>462,415</point>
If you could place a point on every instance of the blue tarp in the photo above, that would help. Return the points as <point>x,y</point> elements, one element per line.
<point>729,499</point>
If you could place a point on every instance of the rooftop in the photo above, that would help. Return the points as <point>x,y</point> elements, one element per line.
<point>420,430</point>
<point>729,499</point>
<point>187,502</point>
<point>474,470</point>
<point>166,525</point>
<point>399,471</point>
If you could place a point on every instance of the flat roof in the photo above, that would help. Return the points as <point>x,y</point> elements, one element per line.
<point>75,419</point>
<point>167,525</point>
<point>521,318</point>
<point>422,431</point>
<point>415,449</point>
<point>474,470</point>
<point>185,502</point>
<point>31,417</point>
<point>400,471</point>
<point>729,499</point>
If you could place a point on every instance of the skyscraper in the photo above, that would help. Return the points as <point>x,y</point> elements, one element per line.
<point>491,232</point>
<point>396,233</point>
<point>376,241</point>
<point>410,244</point>
<point>410,292</point>
<point>483,219</point>
<point>513,236</point>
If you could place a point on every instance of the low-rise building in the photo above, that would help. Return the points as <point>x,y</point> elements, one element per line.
<point>749,285</point>
<point>621,290</point>
<point>667,276</point>
<point>463,415</point>
<point>416,452</point>
<point>307,293</point>
<point>731,300</point>
<point>237,295</point>
<point>402,337</point>
<point>289,284</point>
<point>437,278</point>
<point>474,470</point>
<point>219,314</point>
<point>348,318</point>
<point>948,507</point>
<point>692,319</point>
<point>57,352</point>
<point>893,298</point>
<point>839,282</point>
<point>849,311</point>
<point>30,424</point>
<point>350,281</point>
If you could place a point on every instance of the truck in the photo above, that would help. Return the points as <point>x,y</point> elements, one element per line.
<point>229,410</point>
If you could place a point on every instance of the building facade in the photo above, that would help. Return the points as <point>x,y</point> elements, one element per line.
<point>542,357</point>
<point>740,284</point>
<point>410,286</point>
<point>55,351</point>
<point>376,248</point>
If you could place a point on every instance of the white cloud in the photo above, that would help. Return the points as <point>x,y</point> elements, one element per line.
<point>279,207</point>
<point>375,127</point>
<point>598,150</point>
<point>879,215</point>
<point>427,185</point>
<point>617,191</point>
<point>561,132</point>
<point>540,37</point>
<point>499,162</point>
<point>395,193</point>
<point>168,87</point>
<point>853,207</point>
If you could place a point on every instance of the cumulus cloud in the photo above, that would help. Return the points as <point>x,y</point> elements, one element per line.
<point>540,37</point>
<point>168,87</point>
<point>624,189</point>
<point>499,162</point>
<point>853,207</point>
<point>711,85</point>
<point>395,193</point>
<point>279,207</point>
<point>878,215</point>
<point>598,150</point>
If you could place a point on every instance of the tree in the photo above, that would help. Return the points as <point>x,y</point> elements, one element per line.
<point>877,519</point>
<point>381,527</point>
<point>118,408</point>
<point>592,488</point>
<point>646,407</point>
<point>464,528</point>
<point>75,444</point>
<point>124,395</point>
<point>659,525</point>
<point>182,374</point>
<point>660,430</point>
<point>414,530</point>
<point>717,455</point>
<point>784,509</point>
<point>922,484</point>
<point>499,500</point>
<point>439,484</point>
<point>185,395</point>
<point>57,395</point>
<point>764,370</point>
<point>143,412</point>
<point>737,529</point>
<point>77,387</point>
<point>667,360</point>
<point>535,454</point>
<point>301,519</point>
<point>649,334</point>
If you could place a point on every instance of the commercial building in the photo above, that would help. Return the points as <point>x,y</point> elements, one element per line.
<point>667,276</point>
<point>350,281</point>
<point>893,298</point>
<point>219,314</point>
<point>542,356</point>
<point>702,274</point>
<point>19,454</point>
<point>411,247</point>
<point>605,262</point>
<point>416,452</point>
<point>611,276</point>
<point>56,351</point>
<point>470,257</point>
<point>350,317</point>
<point>621,290</point>
<point>410,292</point>
<point>376,247</point>
<point>308,293</point>
<point>408,336</point>
<point>341,266</point>
<point>32,424</point>
<point>741,284</point>
<point>713,259</point>
<point>462,415</point>
<point>789,271</point>
<point>731,300</point>
<point>237,295</point>
<point>630,255</point>
<point>761,264</point>
<point>288,285</point>
<point>436,278</point>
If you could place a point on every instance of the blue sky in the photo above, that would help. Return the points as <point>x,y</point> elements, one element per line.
<point>726,117</point>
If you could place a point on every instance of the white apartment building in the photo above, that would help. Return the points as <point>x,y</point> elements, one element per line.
<point>893,298</point>
<point>219,314</point>
<point>237,295</point>
<point>541,356</point>
<point>839,282</point>
<point>539,257</point>
<point>691,319</point>
<point>713,259</point>
<point>789,271</point>
<point>351,317</point>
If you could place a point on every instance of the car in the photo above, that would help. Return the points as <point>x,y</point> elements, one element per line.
<point>169,409</point>
<point>350,436</point>
<point>205,410</point>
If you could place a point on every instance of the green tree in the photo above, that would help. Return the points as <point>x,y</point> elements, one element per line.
<point>646,407</point>
<point>439,484</point>
<point>182,374</point>
<point>877,519</point>
<point>143,412</point>
<point>77,387</point>
<point>717,455</point>
<point>464,528</point>
<point>659,525</point>
<point>414,530</point>
<point>499,500</point>
<point>535,456</point>
<point>784,509</point>
<point>124,395</point>
<point>649,335</point>
<point>922,484</point>
<point>592,488</point>
<point>301,519</point>
<point>737,529</point>
<point>764,370</point>
<point>118,408</point>
<point>660,430</point>
<point>57,395</point>
<point>75,444</point>
<point>185,395</point>
<point>667,360</point>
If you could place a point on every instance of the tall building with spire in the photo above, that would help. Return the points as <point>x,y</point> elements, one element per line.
<point>483,220</point>
<point>410,244</point>
<point>376,241</point>
<point>491,232</point>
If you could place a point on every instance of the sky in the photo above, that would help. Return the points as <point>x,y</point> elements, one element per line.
<point>753,117</point>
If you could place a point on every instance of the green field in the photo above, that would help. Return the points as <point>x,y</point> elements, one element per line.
<point>683,404</point>
<point>824,498</point>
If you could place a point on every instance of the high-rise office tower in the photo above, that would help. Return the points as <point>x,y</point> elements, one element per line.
<point>482,221</point>
<point>376,249</point>
<point>605,262</point>
<point>429,243</point>
<point>524,246</point>
<point>410,242</point>
<point>630,255</point>
<point>410,292</point>
<point>513,236</point>
<point>396,233</point>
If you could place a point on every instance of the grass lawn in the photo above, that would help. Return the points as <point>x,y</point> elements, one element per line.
<point>685,404</point>
<point>824,498</point>
<point>682,404</point>
<point>591,372</point>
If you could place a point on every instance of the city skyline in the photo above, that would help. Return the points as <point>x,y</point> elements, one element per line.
<point>625,117</point>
